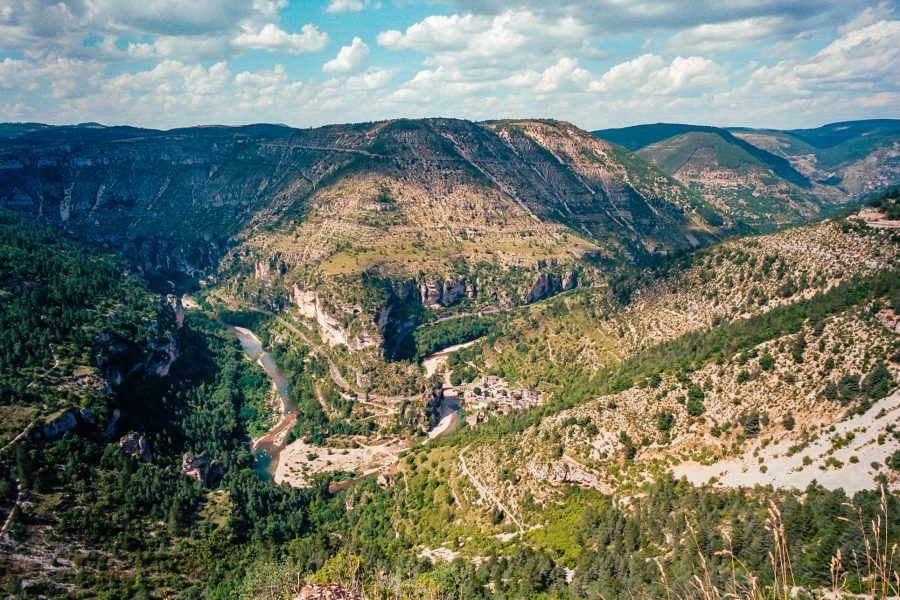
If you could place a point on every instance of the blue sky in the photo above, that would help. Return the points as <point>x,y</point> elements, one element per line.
<point>596,63</point>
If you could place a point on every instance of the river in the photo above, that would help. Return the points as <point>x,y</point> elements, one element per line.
<point>450,410</point>
<point>268,448</point>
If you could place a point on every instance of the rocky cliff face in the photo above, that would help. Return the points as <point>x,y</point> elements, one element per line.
<point>438,293</point>
<point>550,284</point>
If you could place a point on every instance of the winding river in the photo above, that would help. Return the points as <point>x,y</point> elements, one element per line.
<point>268,448</point>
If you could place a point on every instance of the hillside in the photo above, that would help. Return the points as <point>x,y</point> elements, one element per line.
<point>858,157</point>
<point>356,219</point>
<point>73,325</point>
<point>766,177</point>
<point>536,407</point>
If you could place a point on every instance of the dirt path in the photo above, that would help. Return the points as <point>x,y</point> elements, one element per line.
<point>8,522</point>
<point>22,434</point>
<point>484,492</point>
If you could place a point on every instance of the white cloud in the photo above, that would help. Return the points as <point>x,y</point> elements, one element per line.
<point>641,16</point>
<point>870,53</point>
<point>141,51</point>
<point>628,75</point>
<point>336,6</point>
<point>370,80</point>
<point>274,39</point>
<point>685,76</point>
<point>866,58</point>
<point>193,47</point>
<point>650,75</point>
<point>349,58</point>
<point>869,16</point>
<point>264,91</point>
<point>564,74</point>
<point>719,37</point>
<point>76,60</point>
<point>178,17</point>
<point>513,38</point>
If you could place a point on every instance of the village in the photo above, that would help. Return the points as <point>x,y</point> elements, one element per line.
<point>492,395</point>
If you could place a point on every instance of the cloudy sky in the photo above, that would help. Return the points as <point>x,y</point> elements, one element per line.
<point>597,63</point>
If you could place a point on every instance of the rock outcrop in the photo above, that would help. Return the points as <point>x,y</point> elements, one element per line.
<point>549,284</point>
<point>202,468</point>
<point>137,446</point>
<point>440,293</point>
<point>329,327</point>
<point>66,422</point>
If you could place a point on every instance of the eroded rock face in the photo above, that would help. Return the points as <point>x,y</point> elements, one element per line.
<point>137,446</point>
<point>441,293</point>
<point>550,284</point>
<point>174,301</point>
<point>330,328</point>
<point>306,302</point>
<point>431,293</point>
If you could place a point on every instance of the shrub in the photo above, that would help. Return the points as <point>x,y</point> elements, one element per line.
<point>751,423</point>
<point>788,422</point>
<point>665,420</point>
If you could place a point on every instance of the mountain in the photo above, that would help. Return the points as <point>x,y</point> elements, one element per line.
<point>363,228</point>
<point>434,359</point>
<point>858,157</point>
<point>764,177</point>
<point>601,429</point>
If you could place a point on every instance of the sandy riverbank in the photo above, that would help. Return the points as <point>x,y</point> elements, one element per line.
<point>300,461</point>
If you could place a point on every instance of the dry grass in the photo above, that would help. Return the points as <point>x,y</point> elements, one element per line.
<point>876,572</point>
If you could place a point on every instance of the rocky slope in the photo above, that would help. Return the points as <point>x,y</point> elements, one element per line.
<point>73,326</point>
<point>724,367</point>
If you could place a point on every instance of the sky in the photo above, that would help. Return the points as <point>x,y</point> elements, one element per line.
<point>596,63</point>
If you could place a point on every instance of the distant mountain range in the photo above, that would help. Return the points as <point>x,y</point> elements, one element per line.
<point>762,176</point>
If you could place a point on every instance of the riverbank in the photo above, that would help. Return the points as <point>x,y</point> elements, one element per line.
<point>269,447</point>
